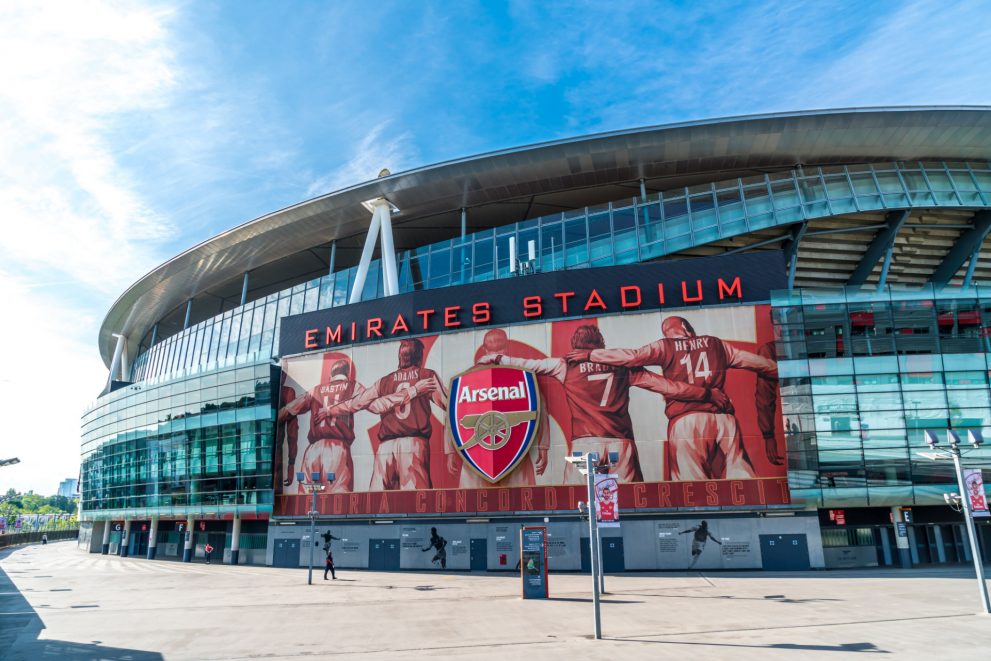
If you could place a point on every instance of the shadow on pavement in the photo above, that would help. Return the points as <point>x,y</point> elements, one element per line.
<point>588,600</point>
<point>20,627</point>
<point>842,647</point>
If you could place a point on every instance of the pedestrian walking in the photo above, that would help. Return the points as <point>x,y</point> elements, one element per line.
<point>44,538</point>
<point>208,550</point>
<point>329,566</point>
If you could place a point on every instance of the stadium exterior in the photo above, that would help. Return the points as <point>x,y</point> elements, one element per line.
<point>859,233</point>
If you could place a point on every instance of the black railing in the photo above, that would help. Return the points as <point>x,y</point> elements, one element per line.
<point>35,537</point>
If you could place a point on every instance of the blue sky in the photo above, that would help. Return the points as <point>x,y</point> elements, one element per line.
<point>132,131</point>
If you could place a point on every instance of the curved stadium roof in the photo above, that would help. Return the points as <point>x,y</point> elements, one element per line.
<point>507,186</point>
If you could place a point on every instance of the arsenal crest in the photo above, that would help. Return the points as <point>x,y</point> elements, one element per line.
<point>493,416</point>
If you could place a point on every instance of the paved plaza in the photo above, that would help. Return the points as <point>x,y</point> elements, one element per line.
<point>60,603</point>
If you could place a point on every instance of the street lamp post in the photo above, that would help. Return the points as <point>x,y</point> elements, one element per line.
<point>960,502</point>
<point>313,487</point>
<point>588,470</point>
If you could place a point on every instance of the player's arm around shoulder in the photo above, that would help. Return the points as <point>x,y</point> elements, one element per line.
<point>740,359</point>
<point>648,354</point>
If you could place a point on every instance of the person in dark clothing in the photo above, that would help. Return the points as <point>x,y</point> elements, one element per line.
<point>329,566</point>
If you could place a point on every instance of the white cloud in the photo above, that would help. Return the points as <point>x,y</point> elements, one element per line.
<point>76,231</point>
<point>65,203</point>
<point>51,372</point>
<point>374,151</point>
<point>924,53</point>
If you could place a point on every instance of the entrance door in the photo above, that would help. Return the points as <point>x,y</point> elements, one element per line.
<point>612,555</point>
<point>383,554</point>
<point>286,553</point>
<point>217,540</point>
<point>139,544</point>
<point>925,544</point>
<point>479,555</point>
<point>784,552</point>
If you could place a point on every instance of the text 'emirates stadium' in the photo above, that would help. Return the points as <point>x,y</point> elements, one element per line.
<point>752,322</point>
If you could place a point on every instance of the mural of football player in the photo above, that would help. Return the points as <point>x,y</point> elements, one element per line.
<point>287,434</point>
<point>700,534</point>
<point>402,398</point>
<point>598,396</point>
<point>704,440</point>
<point>330,436</point>
<point>525,474</point>
<point>766,398</point>
<point>439,544</point>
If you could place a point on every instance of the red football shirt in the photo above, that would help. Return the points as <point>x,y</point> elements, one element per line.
<point>340,426</point>
<point>411,418</point>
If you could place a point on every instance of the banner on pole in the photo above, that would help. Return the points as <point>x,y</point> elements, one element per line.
<point>607,501</point>
<point>974,484</point>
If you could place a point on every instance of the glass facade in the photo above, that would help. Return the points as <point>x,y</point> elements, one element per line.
<point>623,232</point>
<point>199,444</point>
<point>863,374</point>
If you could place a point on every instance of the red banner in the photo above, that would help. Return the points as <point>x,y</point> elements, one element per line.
<point>711,493</point>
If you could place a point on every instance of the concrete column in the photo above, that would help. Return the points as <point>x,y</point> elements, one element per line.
<point>244,289</point>
<point>366,259</point>
<point>125,538</point>
<point>235,540</point>
<point>115,361</point>
<point>187,547</point>
<point>105,549</point>
<point>388,250</point>
<point>153,538</point>
<point>901,540</point>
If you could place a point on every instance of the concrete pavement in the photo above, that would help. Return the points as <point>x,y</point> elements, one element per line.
<point>58,602</point>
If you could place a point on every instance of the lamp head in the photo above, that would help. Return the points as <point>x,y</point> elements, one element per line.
<point>953,438</point>
<point>932,439</point>
<point>300,476</point>
<point>316,477</point>
<point>331,477</point>
<point>975,438</point>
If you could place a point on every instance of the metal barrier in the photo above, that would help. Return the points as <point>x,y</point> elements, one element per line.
<point>35,537</point>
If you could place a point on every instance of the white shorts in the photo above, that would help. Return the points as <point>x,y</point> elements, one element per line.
<point>401,463</point>
<point>707,446</point>
<point>627,468</point>
<point>329,455</point>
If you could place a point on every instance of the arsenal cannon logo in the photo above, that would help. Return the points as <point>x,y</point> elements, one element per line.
<point>493,417</point>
